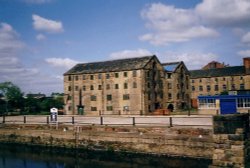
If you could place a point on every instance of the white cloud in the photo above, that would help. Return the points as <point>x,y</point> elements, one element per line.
<point>246,38</point>
<point>46,25</point>
<point>130,53</point>
<point>12,69</point>
<point>61,62</point>
<point>170,24</point>
<point>37,1</point>
<point>191,60</point>
<point>224,12</point>
<point>244,53</point>
<point>40,37</point>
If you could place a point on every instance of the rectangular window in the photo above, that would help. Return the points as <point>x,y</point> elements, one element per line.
<point>91,87</point>
<point>84,88</point>
<point>169,75</point>
<point>83,77</point>
<point>208,88</point>
<point>76,78</point>
<point>193,88</point>
<point>69,78</point>
<point>99,87</point>
<point>216,79</point>
<point>134,73</point>
<point>109,108</point>
<point>125,85</point>
<point>99,76</point>
<point>93,109</point>
<point>125,74</point>
<point>216,87</point>
<point>126,97</point>
<point>243,102</point>
<point>224,87</point>
<point>116,86</point>
<point>116,75</point>
<point>93,98</point>
<point>169,85</point>
<point>200,88</point>
<point>149,96</point>
<point>200,80</point>
<point>91,77</point>
<point>233,87</point>
<point>69,88</point>
<point>207,103</point>
<point>76,88</point>
<point>148,85</point>
<point>107,76</point>
<point>109,97</point>
<point>134,85</point>
<point>192,81</point>
<point>169,96</point>
<point>242,86</point>
<point>108,86</point>
<point>69,108</point>
<point>69,97</point>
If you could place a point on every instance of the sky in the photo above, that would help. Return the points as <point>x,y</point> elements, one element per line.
<point>42,39</point>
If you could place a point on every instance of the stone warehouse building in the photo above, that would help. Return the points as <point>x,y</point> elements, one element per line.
<point>216,78</point>
<point>126,86</point>
<point>176,89</point>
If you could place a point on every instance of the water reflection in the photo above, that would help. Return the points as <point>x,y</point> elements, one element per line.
<point>25,157</point>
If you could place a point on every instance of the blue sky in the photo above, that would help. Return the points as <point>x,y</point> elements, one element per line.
<point>42,39</point>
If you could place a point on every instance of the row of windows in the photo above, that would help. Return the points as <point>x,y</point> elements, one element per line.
<point>217,79</point>
<point>100,76</point>
<point>108,97</point>
<point>211,103</point>
<point>100,87</point>
<point>216,87</point>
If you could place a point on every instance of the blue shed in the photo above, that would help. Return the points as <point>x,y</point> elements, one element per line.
<point>223,104</point>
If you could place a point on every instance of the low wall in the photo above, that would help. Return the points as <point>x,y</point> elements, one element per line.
<point>189,142</point>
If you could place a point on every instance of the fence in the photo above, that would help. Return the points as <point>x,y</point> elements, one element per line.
<point>111,120</point>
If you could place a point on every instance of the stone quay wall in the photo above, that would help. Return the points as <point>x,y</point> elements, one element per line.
<point>186,142</point>
<point>227,144</point>
<point>231,141</point>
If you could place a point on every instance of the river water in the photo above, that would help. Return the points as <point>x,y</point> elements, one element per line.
<point>16,156</point>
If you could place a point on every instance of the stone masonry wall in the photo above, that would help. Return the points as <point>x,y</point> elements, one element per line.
<point>190,142</point>
<point>230,141</point>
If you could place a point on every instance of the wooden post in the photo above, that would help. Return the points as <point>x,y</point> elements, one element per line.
<point>170,122</point>
<point>101,120</point>
<point>24,119</point>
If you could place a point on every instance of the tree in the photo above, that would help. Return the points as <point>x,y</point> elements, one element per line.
<point>12,94</point>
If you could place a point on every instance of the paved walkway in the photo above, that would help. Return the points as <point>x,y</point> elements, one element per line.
<point>176,120</point>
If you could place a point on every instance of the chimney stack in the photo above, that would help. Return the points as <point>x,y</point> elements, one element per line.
<point>247,64</point>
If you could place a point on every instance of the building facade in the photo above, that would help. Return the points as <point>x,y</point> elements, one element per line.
<point>126,86</point>
<point>217,79</point>
<point>177,90</point>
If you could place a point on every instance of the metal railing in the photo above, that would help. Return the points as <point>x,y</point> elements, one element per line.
<point>170,121</point>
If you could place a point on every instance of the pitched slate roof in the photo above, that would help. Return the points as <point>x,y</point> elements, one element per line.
<point>171,66</point>
<point>217,72</point>
<point>111,66</point>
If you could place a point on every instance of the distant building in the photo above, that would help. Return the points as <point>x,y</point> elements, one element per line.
<point>216,79</point>
<point>35,96</point>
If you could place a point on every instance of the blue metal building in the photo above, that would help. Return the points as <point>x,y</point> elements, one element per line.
<point>224,104</point>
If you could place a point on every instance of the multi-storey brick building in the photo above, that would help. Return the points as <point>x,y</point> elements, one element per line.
<point>216,79</point>
<point>126,86</point>
<point>177,92</point>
